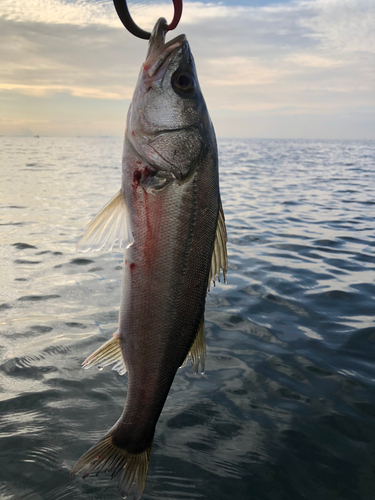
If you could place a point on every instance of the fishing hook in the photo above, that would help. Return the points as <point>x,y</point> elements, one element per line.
<point>126,19</point>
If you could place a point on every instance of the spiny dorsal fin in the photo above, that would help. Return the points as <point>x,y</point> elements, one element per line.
<point>197,351</point>
<point>108,353</point>
<point>219,254</point>
<point>111,224</point>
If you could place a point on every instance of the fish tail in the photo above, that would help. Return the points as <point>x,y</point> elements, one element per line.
<point>106,456</point>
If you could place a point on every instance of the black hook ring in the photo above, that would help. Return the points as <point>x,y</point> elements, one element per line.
<point>126,19</point>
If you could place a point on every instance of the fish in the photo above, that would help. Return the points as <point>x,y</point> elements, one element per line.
<point>169,220</point>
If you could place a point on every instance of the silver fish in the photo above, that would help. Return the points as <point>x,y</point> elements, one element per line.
<point>168,217</point>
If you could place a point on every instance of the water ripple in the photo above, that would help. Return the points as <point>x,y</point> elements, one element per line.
<point>286,408</point>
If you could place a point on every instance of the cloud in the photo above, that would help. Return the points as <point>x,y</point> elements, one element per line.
<point>79,13</point>
<point>308,60</point>
<point>51,89</point>
<point>346,26</point>
<point>303,56</point>
<point>236,71</point>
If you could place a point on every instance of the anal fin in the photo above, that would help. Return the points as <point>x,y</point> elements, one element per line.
<point>110,225</point>
<point>107,354</point>
<point>219,259</point>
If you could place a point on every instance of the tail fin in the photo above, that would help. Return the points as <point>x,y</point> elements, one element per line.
<point>106,457</point>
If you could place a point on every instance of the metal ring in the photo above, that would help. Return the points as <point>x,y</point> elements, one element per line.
<point>126,19</point>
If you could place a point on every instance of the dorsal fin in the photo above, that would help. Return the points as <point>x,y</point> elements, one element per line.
<point>110,225</point>
<point>219,262</point>
<point>197,351</point>
<point>219,255</point>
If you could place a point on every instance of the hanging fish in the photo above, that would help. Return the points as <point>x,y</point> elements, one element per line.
<point>168,217</point>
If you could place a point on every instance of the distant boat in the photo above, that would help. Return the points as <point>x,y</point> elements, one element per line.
<point>37,136</point>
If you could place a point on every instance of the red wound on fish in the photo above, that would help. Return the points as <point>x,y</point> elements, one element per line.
<point>137,177</point>
<point>132,266</point>
<point>141,174</point>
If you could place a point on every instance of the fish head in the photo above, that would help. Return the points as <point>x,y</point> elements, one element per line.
<point>168,121</point>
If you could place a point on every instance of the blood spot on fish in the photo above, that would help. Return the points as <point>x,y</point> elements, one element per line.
<point>141,174</point>
<point>133,133</point>
<point>132,266</point>
<point>147,171</point>
<point>137,177</point>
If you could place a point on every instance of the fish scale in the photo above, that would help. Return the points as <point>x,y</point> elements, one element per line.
<point>168,217</point>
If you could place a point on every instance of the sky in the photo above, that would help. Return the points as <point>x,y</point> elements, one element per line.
<point>267,68</point>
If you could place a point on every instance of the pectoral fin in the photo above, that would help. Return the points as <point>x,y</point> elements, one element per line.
<point>219,255</point>
<point>111,224</point>
<point>108,353</point>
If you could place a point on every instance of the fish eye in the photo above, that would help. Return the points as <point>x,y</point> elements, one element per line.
<point>183,82</point>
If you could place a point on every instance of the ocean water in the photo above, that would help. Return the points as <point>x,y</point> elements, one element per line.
<point>286,408</point>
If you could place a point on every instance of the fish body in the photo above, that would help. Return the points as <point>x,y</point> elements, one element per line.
<point>171,222</point>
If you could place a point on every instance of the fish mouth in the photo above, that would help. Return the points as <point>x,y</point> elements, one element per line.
<point>159,51</point>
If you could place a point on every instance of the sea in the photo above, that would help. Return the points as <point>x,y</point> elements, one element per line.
<point>286,407</point>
